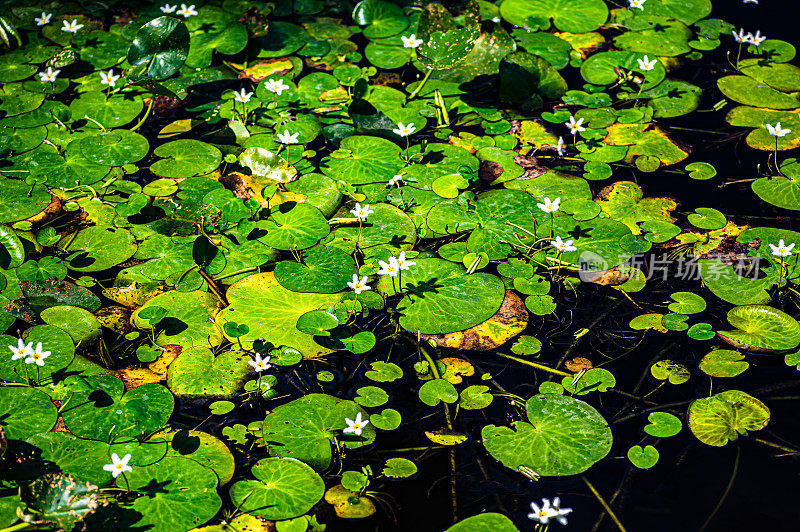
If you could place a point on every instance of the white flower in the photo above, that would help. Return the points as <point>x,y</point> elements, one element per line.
<point>166,8</point>
<point>575,127</point>
<point>741,37</point>
<point>117,466</point>
<point>243,96</point>
<point>187,11</point>
<point>37,356</point>
<point>275,85</point>
<point>411,42</point>
<point>72,27</point>
<point>563,246</point>
<point>50,75</point>
<point>403,263</point>
<point>645,65</point>
<point>44,19</point>
<point>560,147</point>
<point>395,180</point>
<point>21,350</point>
<point>777,130</point>
<point>635,4</point>
<point>544,513</point>
<point>288,138</point>
<point>404,131</point>
<point>361,212</point>
<point>757,38</point>
<point>108,79</point>
<point>781,250</point>
<point>496,20</point>
<point>359,285</point>
<point>355,426</point>
<point>549,206</point>
<point>260,364</point>
<point>391,268</point>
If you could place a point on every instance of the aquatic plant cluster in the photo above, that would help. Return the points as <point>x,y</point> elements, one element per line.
<point>260,262</point>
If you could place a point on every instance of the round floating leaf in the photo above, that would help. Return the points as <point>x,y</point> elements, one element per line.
<point>188,320</point>
<point>667,369</point>
<point>701,171</point>
<point>185,158</point>
<point>178,494</point>
<point>599,68</point>
<point>388,226</point>
<point>746,90</point>
<point>349,504</point>
<point>371,396</point>
<point>231,40</point>
<point>388,419</point>
<point>295,226</point>
<point>80,324</point>
<point>160,47</point>
<point>59,499</point>
<point>304,428</point>
<point>643,457</point>
<point>475,397</point>
<point>687,303</point>
<point>762,329</point>
<point>111,112</point>
<point>701,331</point>
<point>441,298</point>
<point>19,201</point>
<point>114,148</point>
<point>360,160</point>
<point>198,373</point>
<point>485,522</point>
<point>104,411</point>
<point>564,436</point>
<point>99,247</point>
<point>282,39</point>
<point>566,15</point>
<point>74,456</point>
<point>203,448</point>
<point>53,339</point>
<point>25,411</point>
<point>723,363</point>
<point>434,391</point>
<point>271,312</point>
<point>384,372</point>
<point>723,417</point>
<point>663,425</point>
<point>399,468</point>
<point>383,19</point>
<point>595,379</point>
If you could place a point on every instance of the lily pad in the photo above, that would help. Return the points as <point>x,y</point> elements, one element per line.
<point>25,412</point>
<point>724,417</point>
<point>761,329</point>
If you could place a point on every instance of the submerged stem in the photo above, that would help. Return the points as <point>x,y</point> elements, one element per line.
<point>605,505</point>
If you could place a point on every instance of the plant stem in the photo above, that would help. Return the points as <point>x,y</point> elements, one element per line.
<point>146,114</point>
<point>421,84</point>
<point>605,505</point>
<point>536,365</point>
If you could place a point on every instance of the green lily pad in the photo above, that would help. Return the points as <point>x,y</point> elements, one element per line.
<point>115,111</point>
<point>99,247</point>
<point>198,373</point>
<point>231,40</point>
<point>188,319</point>
<point>25,412</point>
<point>687,303</point>
<point>388,419</point>
<point>360,160</point>
<point>160,47</point>
<point>762,329</point>
<point>563,436</point>
<point>371,396</point>
<point>748,91</point>
<point>295,226</point>
<point>59,499</point>
<point>399,468</point>
<point>484,522</point>
<point>185,158</point>
<point>723,363</point>
<point>781,190</point>
<point>566,15</point>
<point>53,339</point>
<point>724,417</point>
<point>19,201</point>
<point>437,390</point>
<point>114,148</point>
<point>323,270</point>
<point>670,370</point>
<point>643,457</point>
<point>74,456</point>
<point>663,425</point>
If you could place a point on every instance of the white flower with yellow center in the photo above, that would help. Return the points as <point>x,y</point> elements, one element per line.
<point>411,42</point>
<point>563,245</point>
<point>781,250</point>
<point>403,263</point>
<point>21,350</point>
<point>757,38</point>
<point>544,513</point>
<point>187,11</point>
<point>260,364</point>
<point>49,75</point>
<point>275,85</point>
<point>37,356</point>
<point>404,131</point>
<point>359,285</point>
<point>549,206</point>
<point>395,180</point>
<point>108,78</point>
<point>636,4</point>
<point>166,8</point>
<point>361,212</point>
<point>390,268</point>
<point>777,130</point>
<point>72,27</point>
<point>243,96</point>
<point>560,147</point>
<point>355,427</point>
<point>118,466</point>
<point>741,37</point>
<point>574,126</point>
<point>645,65</point>
<point>44,19</point>
<point>288,138</point>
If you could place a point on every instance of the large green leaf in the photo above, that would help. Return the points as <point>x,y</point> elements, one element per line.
<point>98,248</point>
<point>723,417</point>
<point>188,321</point>
<point>19,201</point>
<point>25,412</point>
<point>485,522</point>
<point>361,160</point>
<point>574,17</point>
<point>563,436</point>
<point>323,270</point>
<point>59,499</point>
<point>185,158</point>
<point>781,190</point>
<point>160,47</point>
<point>198,373</point>
<point>761,328</point>
<point>295,226</point>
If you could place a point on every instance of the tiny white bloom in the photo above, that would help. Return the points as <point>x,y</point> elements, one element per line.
<point>741,37</point>
<point>21,350</point>
<point>117,466</point>
<point>361,212</point>
<point>395,180</point>
<point>275,85</point>
<point>549,206</point>
<point>243,96</point>
<point>390,268</point>
<point>411,42</point>
<point>563,245</point>
<point>645,65</point>
<point>575,127</point>
<point>166,8</point>
<point>639,4</point>
<point>544,513</point>
<point>72,27</point>
<point>37,356</point>
<point>403,263</point>
<point>560,147</point>
<point>50,75</point>
<point>187,11</point>
<point>260,364</point>
<point>355,426</point>
<point>757,38</point>
<point>496,20</point>
<point>288,138</point>
<point>44,19</point>
<point>404,131</point>
<point>777,130</point>
<point>359,285</point>
<point>108,78</point>
<point>781,250</point>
